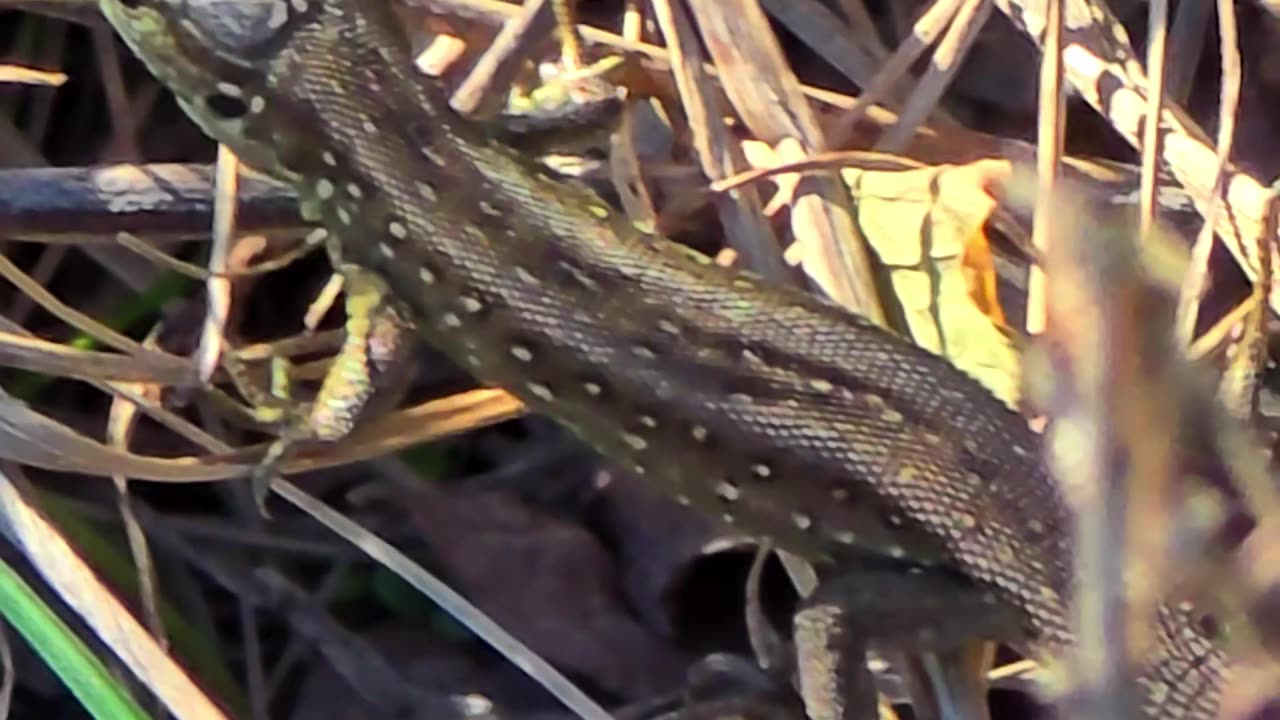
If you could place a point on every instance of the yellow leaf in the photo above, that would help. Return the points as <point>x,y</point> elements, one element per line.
<point>926,226</point>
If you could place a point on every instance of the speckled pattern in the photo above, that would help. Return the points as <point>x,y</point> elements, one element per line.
<point>768,407</point>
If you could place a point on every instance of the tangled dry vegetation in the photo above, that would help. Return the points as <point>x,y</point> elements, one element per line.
<point>884,153</point>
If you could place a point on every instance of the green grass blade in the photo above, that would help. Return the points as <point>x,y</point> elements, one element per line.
<point>80,670</point>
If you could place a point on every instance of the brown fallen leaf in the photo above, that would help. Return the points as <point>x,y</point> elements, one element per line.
<point>549,583</point>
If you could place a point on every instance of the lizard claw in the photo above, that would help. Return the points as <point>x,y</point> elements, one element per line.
<point>262,475</point>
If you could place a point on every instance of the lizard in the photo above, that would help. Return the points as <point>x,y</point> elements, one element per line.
<point>774,409</point>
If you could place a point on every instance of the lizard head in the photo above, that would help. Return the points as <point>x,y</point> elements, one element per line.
<point>215,56</point>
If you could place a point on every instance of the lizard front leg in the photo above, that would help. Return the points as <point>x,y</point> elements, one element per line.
<point>370,371</point>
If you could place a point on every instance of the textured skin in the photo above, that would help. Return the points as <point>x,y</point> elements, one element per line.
<point>768,407</point>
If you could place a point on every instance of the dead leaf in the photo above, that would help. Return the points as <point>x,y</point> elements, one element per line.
<point>549,583</point>
<point>926,226</point>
